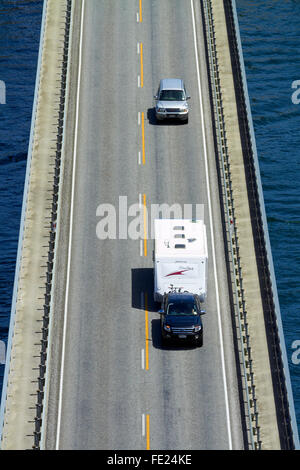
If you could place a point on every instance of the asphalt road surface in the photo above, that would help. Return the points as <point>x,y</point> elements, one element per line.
<point>112,385</point>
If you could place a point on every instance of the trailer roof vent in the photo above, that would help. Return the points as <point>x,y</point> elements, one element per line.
<point>178,227</point>
<point>179,245</point>
<point>179,235</point>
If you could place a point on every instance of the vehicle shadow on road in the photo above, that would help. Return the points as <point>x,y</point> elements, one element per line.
<point>166,122</point>
<point>142,285</point>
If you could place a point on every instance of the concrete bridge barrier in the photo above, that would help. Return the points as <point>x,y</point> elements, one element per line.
<point>23,389</point>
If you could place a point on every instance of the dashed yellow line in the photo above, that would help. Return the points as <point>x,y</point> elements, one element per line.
<point>145,224</point>
<point>145,230</point>
<point>148,432</point>
<point>141,12</point>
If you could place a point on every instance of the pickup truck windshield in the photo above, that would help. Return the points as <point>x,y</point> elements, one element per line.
<point>182,308</point>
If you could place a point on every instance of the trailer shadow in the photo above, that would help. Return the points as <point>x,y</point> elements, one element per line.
<point>142,286</point>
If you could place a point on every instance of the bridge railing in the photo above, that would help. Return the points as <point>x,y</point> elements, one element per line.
<point>46,316</point>
<point>288,424</point>
<point>42,383</point>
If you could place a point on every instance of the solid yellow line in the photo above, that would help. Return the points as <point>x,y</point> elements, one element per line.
<point>148,431</point>
<point>145,224</point>
<point>142,65</point>
<point>146,332</point>
<point>141,12</point>
<point>143,138</point>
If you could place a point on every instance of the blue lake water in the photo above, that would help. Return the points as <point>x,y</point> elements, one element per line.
<point>271,43</point>
<point>271,40</point>
<point>20,23</point>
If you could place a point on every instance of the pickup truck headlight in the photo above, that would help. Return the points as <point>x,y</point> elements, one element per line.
<point>167,328</point>
<point>197,328</point>
<point>160,110</point>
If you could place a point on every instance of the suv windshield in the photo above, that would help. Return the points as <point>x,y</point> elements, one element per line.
<point>182,308</point>
<point>171,95</point>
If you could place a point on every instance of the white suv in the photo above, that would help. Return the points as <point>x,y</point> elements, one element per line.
<point>171,100</point>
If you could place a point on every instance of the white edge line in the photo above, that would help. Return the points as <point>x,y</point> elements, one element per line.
<point>212,233</point>
<point>70,234</point>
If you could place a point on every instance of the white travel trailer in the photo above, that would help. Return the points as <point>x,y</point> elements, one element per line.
<point>180,257</point>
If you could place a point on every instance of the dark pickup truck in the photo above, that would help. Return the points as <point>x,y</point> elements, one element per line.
<point>181,318</point>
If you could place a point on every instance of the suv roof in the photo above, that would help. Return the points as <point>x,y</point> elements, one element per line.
<point>171,84</point>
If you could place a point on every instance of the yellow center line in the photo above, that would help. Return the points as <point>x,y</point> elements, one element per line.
<point>143,138</point>
<point>146,333</point>
<point>141,12</point>
<point>148,431</point>
<point>142,65</point>
<point>145,224</point>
